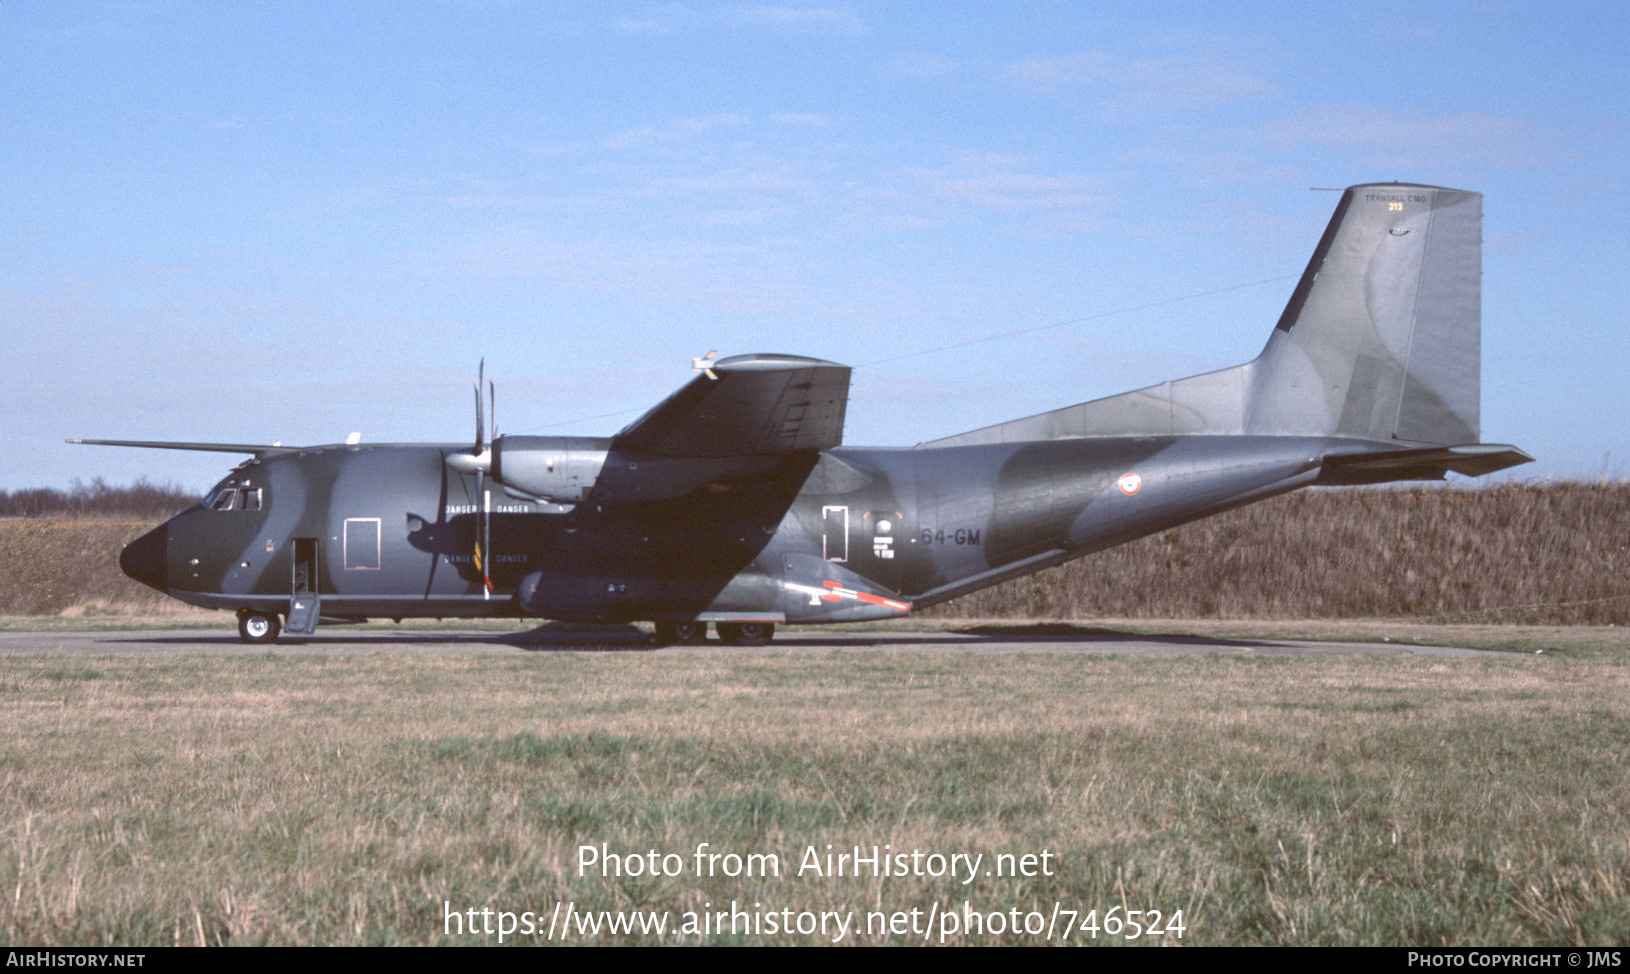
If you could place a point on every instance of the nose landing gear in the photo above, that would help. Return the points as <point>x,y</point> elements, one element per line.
<point>257,627</point>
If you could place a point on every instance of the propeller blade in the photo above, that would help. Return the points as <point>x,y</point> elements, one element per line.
<point>479,458</point>
<point>486,544</point>
<point>483,538</point>
<point>480,421</point>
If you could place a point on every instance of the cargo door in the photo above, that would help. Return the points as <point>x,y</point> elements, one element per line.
<point>303,597</point>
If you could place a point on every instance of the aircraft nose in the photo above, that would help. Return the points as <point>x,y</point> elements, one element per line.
<point>147,558</point>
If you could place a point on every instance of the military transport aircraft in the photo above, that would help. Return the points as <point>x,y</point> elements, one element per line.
<point>733,502</point>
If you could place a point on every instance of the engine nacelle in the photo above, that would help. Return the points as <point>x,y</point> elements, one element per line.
<point>562,469</point>
<point>571,470</point>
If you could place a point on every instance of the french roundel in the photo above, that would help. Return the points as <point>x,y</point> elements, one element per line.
<point>1129,483</point>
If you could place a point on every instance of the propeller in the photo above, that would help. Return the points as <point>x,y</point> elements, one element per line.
<point>479,462</point>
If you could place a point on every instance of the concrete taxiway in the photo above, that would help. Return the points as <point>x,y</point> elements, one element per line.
<point>627,639</point>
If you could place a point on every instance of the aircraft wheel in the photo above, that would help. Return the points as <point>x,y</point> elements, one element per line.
<point>258,627</point>
<point>681,633</point>
<point>745,633</point>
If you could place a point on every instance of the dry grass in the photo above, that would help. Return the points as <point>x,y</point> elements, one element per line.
<point>306,800</point>
<point>1519,553</point>
<point>50,566</point>
<point>311,800</point>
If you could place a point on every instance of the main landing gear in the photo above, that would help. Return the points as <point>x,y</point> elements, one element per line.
<point>255,626</point>
<point>745,633</point>
<point>681,633</point>
<point>730,633</point>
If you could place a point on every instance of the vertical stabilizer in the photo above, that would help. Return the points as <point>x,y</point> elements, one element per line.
<point>1381,339</point>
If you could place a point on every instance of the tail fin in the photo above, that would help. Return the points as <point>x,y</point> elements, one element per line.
<point>1382,338</point>
<point>1380,341</point>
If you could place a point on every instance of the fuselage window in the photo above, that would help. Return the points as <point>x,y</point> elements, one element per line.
<point>224,500</point>
<point>251,500</point>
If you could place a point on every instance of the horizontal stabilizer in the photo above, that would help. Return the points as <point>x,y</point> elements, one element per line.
<point>746,405</point>
<point>1471,460</point>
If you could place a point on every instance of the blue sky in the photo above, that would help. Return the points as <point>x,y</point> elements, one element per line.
<point>287,222</point>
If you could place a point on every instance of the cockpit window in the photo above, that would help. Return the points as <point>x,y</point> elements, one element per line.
<point>235,499</point>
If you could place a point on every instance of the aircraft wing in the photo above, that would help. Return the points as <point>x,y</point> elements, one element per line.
<point>747,405</point>
<point>258,449</point>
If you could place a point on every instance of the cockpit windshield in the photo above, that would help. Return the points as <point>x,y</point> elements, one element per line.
<point>234,499</point>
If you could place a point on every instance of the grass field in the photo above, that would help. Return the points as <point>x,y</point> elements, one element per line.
<point>313,800</point>
<point>1515,553</point>
<point>304,799</point>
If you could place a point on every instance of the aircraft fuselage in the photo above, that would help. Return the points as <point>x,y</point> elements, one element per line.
<point>851,534</point>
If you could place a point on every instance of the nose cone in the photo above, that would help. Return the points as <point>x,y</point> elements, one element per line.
<point>147,558</point>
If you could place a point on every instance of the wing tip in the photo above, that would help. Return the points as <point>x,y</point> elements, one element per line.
<point>772,362</point>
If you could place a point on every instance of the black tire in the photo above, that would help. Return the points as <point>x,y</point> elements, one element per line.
<point>745,633</point>
<point>689,633</point>
<point>258,627</point>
